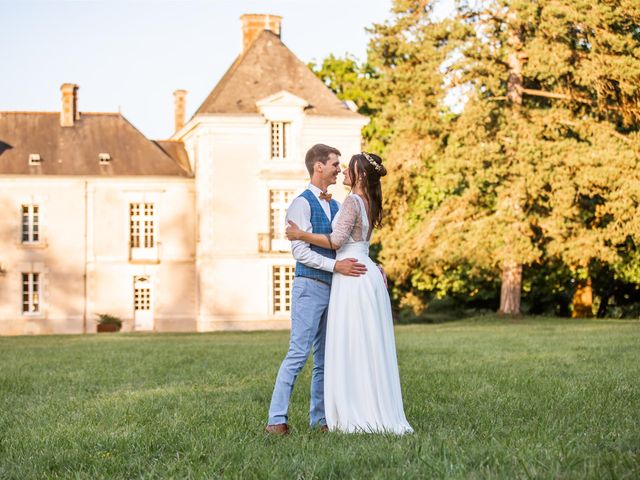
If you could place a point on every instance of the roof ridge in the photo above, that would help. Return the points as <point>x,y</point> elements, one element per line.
<point>100,113</point>
<point>157,145</point>
<point>74,150</point>
<point>143,135</point>
<point>231,70</point>
<point>178,161</point>
<point>223,81</point>
<point>265,68</point>
<point>229,73</point>
<point>29,111</point>
<point>40,112</point>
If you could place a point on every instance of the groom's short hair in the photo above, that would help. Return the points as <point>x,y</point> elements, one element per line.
<point>318,153</point>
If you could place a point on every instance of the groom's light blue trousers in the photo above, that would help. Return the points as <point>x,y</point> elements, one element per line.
<point>309,305</point>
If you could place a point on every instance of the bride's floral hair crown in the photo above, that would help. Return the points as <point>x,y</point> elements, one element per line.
<point>377,167</point>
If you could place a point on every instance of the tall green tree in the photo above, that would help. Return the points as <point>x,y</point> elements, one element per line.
<point>539,169</point>
<point>564,77</point>
<point>410,54</point>
<point>356,82</point>
<point>542,163</point>
<point>591,81</point>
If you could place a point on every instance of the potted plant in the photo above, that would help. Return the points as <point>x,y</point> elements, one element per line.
<point>108,323</point>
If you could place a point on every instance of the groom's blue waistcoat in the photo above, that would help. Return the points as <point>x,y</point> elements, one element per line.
<point>319,224</point>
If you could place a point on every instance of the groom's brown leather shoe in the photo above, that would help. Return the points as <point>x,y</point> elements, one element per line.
<point>324,429</point>
<point>279,429</point>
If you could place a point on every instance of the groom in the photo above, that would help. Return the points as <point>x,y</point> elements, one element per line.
<point>312,211</point>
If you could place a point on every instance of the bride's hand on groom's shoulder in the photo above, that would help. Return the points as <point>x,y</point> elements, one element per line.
<point>293,232</point>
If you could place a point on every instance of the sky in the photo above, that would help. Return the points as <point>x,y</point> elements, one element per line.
<point>130,55</point>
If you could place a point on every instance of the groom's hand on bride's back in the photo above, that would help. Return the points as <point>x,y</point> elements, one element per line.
<point>350,267</point>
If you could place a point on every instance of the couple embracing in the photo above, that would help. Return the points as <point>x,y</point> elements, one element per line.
<point>340,308</point>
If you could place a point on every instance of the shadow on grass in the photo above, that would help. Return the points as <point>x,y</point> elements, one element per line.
<point>449,309</point>
<point>440,311</point>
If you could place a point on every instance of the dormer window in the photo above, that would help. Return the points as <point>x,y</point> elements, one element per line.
<point>279,138</point>
<point>104,158</point>
<point>34,159</point>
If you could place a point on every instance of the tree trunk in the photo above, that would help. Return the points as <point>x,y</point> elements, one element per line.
<point>583,300</point>
<point>604,303</point>
<point>510,289</point>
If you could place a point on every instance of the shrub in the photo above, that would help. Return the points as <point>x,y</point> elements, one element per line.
<point>106,319</point>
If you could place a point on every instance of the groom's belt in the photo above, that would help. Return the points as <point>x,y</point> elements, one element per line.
<point>315,280</point>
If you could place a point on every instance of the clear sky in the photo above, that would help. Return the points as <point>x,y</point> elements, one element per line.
<point>131,55</point>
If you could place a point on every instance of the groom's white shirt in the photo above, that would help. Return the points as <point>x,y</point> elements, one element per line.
<point>300,212</point>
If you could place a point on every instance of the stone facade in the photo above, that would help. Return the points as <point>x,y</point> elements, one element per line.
<point>83,258</point>
<point>179,235</point>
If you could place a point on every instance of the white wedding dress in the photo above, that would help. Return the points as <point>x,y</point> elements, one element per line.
<point>361,379</point>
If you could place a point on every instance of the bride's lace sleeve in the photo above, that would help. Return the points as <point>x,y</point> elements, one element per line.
<point>348,224</point>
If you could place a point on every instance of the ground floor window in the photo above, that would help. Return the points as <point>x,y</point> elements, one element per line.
<point>142,303</point>
<point>282,284</point>
<point>30,293</point>
<point>141,293</point>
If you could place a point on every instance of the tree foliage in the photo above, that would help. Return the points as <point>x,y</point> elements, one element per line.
<point>540,169</point>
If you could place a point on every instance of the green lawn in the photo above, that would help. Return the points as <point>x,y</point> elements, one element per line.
<point>488,398</point>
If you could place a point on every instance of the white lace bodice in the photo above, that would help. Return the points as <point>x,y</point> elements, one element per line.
<point>351,224</point>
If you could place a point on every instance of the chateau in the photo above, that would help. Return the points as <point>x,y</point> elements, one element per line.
<point>184,234</point>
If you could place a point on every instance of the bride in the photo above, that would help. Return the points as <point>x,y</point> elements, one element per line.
<point>361,382</point>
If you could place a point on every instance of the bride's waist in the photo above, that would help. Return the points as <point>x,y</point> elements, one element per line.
<point>353,249</point>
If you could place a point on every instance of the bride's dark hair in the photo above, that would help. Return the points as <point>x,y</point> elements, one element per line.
<point>370,169</point>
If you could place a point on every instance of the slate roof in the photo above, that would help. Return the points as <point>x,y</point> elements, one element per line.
<point>265,68</point>
<point>74,150</point>
<point>175,149</point>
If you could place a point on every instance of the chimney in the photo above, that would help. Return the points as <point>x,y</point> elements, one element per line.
<point>69,113</point>
<point>254,23</point>
<point>179,102</point>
